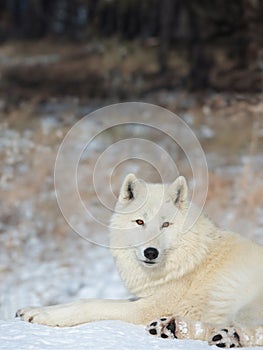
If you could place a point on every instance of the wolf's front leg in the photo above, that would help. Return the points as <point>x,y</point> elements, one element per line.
<point>84,311</point>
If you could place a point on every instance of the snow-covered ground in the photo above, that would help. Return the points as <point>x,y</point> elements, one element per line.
<point>43,262</point>
<point>103,335</point>
<point>17,335</point>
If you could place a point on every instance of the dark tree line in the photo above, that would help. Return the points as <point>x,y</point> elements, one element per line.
<point>235,25</point>
<point>177,19</point>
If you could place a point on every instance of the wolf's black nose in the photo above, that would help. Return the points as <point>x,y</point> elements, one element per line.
<point>151,253</point>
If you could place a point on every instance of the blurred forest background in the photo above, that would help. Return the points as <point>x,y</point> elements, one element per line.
<point>126,48</point>
<point>61,59</point>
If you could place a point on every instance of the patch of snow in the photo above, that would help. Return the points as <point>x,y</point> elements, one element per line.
<point>205,132</point>
<point>103,335</point>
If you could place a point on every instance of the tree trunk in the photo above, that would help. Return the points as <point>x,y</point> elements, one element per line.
<point>166,14</point>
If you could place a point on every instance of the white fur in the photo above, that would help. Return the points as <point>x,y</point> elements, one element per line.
<point>204,274</point>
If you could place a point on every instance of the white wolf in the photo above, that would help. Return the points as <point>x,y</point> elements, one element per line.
<point>207,282</point>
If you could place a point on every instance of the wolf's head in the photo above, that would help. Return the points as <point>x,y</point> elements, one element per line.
<point>148,217</point>
<point>148,239</point>
<point>147,236</point>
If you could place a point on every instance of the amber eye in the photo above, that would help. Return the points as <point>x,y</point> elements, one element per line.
<point>140,222</point>
<point>165,224</point>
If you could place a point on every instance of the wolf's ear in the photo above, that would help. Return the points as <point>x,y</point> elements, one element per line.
<point>127,192</point>
<point>179,191</point>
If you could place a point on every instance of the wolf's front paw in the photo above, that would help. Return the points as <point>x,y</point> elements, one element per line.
<point>226,338</point>
<point>39,315</point>
<point>164,327</point>
<point>27,314</point>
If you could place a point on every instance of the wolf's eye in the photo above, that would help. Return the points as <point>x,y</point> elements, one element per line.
<point>165,224</point>
<point>140,222</point>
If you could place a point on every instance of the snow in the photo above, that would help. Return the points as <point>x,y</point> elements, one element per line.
<point>102,335</point>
